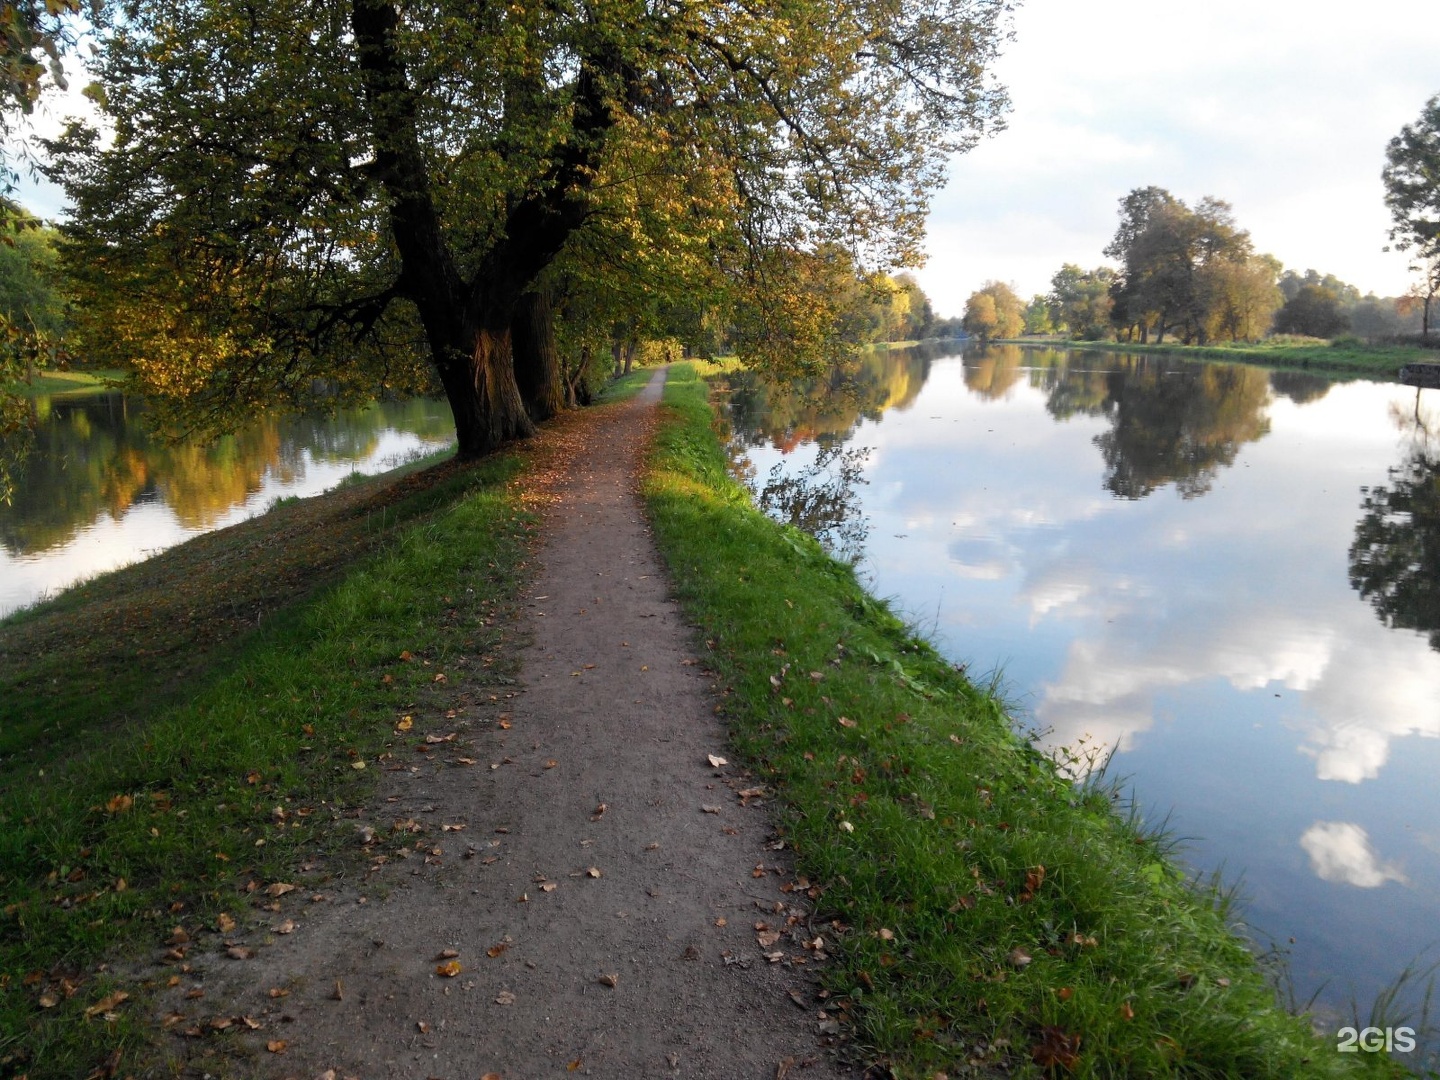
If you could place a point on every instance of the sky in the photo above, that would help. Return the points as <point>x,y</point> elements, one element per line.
<point>1280,107</point>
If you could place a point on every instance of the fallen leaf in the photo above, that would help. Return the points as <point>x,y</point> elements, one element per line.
<point>720,921</point>
<point>574,1065</point>
<point>710,809</point>
<point>496,950</point>
<point>280,888</point>
<point>1019,957</point>
<point>286,927</point>
<point>108,1002</point>
<point>885,935</point>
<point>251,1023</point>
<point>1056,1047</point>
<point>1126,1011</point>
<point>599,812</point>
<point>338,994</point>
<point>449,969</point>
<point>48,1000</point>
<point>505,997</point>
<point>276,1046</point>
<point>452,828</point>
<point>405,723</point>
<point>609,980</point>
<point>447,954</point>
<point>548,886</point>
<point>276,992</point>
<point>551,763</point>
<point>594,872</point>
<point>224,923</point>
<point>768,938</point>
<point>118,804</point>
<point>715,762</point>
<point>360,764</point>
<point>422,1027</point>
<point>845,721</point>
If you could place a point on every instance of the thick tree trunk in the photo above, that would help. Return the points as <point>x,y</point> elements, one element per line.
<point>480,385</point>
<point>537,361</point>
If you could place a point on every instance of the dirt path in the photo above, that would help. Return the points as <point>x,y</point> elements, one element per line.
<point>611,897</point>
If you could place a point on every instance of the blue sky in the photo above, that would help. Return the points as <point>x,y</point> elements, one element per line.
<point>1281,108</point>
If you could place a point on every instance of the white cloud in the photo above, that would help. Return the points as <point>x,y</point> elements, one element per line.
<point>1341,852</point>
<point>1284,113</point>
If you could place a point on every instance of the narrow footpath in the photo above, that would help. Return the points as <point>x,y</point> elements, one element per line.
<point>592,896</point>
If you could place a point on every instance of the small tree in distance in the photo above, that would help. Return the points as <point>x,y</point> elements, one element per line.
<point>994,311</point>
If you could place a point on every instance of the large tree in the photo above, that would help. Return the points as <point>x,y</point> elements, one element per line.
<point>1187,271</point>
<point>1412,195</point>
<point>994,311</point>
<point>354,189</point>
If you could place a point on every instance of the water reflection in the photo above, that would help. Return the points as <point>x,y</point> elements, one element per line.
<point>1159,556</point>
<point>827,408</point>
<point>94,472</point>
<point>822,499</point>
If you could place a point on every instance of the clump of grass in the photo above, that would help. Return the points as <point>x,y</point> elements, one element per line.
<point>987,913</point>
<point>165,817</point>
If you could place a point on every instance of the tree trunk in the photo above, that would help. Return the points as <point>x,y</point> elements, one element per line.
<point>480,385</point>
<point>537,361</point>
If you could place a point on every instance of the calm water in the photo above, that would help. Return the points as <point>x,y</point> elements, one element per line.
<point>98,492</point>
<point>1230,578</point>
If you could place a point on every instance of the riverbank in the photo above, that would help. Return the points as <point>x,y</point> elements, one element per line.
<point>996,914</point>
<point>49,383</point>
<point>1356,359</point>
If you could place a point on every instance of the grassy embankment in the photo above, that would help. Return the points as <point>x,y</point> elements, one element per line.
<point>160,754</point>
<point>1347,357</point>
<point>67,382</point>
<point>997,915</point>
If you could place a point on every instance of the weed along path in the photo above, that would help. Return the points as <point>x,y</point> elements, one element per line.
<point>594,894</point>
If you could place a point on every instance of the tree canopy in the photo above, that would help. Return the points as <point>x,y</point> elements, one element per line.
<point>361,191</point>
<point>1188,271</point>
<point>1412,195</point>
<point>994,311</point>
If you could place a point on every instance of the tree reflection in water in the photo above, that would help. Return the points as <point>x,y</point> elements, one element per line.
<point>1170,422</point>
<point>821,499</point>
<point>1395,558</point>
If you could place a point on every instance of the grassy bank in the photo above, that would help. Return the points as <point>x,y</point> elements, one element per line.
<point>66,382</point>
<point>1372,361</point>
<point>165,758</point>
<point>987,914</point>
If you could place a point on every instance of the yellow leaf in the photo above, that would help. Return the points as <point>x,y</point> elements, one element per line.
<point>449,969</point>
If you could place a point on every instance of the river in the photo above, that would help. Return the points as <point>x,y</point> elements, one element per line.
<point>98,491</point>
<point>1227,579</point>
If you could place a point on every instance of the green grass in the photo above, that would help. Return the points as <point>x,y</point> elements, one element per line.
<point>132,801</point>
<point>67,382</point>
<point>1344,358</point>
<point>924,823</point>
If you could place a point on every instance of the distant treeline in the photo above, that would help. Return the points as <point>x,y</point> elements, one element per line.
<point>1189,275</point>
